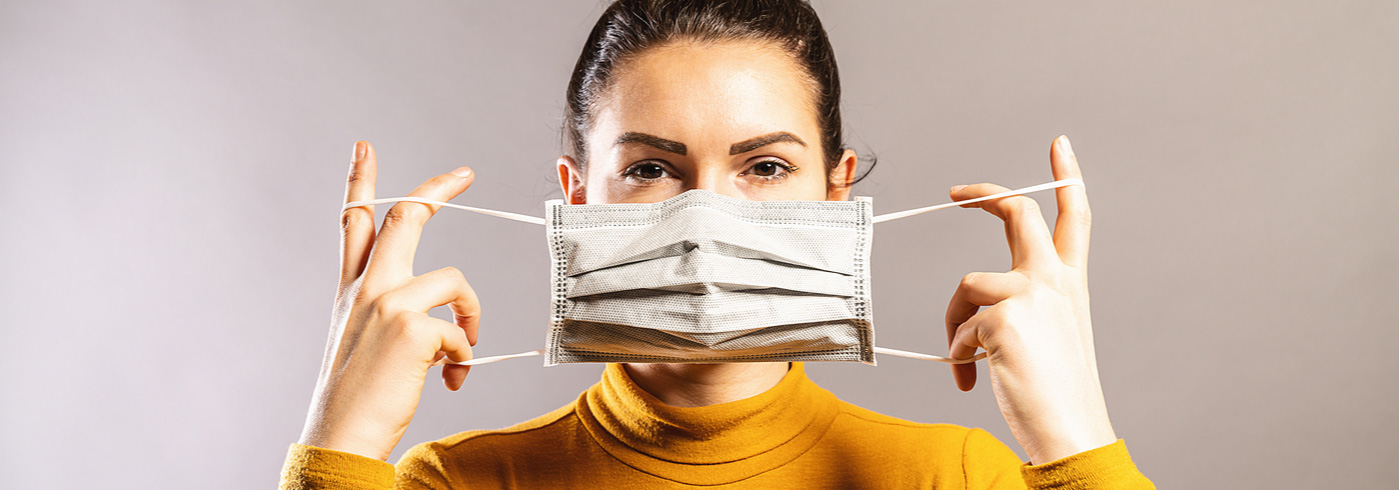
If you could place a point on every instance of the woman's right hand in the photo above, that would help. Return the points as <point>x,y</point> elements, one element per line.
<point>382,341</point>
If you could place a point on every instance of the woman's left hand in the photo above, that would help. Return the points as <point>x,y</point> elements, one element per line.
<point>1035,325</point>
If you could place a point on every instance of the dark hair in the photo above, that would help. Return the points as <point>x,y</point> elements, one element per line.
<point>629,27</point>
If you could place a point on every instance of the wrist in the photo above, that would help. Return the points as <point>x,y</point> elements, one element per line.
<point>319,433</point>
<point>346,446</point>
<point>1067,438</point>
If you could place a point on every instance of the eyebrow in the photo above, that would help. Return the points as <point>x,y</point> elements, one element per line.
<point>752,144</point>
<point>677,147</point>
<point>662,144</point>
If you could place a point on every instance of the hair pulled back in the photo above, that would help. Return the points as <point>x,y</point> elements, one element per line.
<point>629,27</point>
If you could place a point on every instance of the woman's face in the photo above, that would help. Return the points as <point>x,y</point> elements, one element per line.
<point>733,118</point>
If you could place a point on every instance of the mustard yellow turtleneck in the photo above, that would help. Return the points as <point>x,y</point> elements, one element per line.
<point>795,435</point>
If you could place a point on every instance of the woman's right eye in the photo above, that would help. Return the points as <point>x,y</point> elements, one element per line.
<point>645,171</point>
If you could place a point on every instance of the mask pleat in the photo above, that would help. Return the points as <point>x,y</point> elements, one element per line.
<point>698,272</point>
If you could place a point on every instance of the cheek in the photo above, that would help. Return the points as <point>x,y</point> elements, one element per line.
<point>811,185</point>
<point>605,188</point>
<point>802,186</point>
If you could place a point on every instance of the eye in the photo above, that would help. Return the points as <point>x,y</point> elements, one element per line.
<point>645,171</point>
<point>771,170</point>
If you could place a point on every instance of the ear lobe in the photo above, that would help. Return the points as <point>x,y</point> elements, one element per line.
<point>571,180</point>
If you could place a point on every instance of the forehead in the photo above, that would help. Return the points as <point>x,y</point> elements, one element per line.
<point>708,93</point>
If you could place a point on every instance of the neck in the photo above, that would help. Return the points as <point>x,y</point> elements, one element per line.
<point>699,385</point>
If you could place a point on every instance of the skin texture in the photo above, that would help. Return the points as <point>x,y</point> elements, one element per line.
<point>1032,320</point>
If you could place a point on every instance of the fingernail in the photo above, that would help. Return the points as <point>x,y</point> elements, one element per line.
<point>359,150</point>
<point>462,172</point>
<point>1064,145</point>
<point>958,187</point>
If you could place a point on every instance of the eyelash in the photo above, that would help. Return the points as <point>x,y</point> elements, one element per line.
<point>788,168</point>
<point>631,171</point>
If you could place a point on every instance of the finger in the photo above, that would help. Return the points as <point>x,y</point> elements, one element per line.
<point>989,288</point>
<point>1026,231</point>
<point>962,306</point>
<point>963,345</point>
<point>976,290</point>
<point>442,339</point>
<point>392,258</point>
<point>445,286</point>
<point>451,341</point>
<point>453,375</point>
<point>357,224</point>
<point>960,309</point>
<point>1073,218</point>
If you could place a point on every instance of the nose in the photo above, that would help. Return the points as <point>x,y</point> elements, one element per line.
<point>715,177</point>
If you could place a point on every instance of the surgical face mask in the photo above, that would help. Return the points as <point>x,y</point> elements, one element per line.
<point>702,277</point>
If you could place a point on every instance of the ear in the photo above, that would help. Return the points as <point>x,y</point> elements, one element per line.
<point>839,188</point>
<point>571,180</point>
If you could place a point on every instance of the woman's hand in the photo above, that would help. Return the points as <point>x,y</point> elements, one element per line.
<point>382,341</point>
<point>1035,327</point>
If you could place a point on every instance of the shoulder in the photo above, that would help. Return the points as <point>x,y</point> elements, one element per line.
<point>951,454</point>
<point>561,418</point>
<point>850,416</point>
<point>471,452</point>
<point>969,449</point>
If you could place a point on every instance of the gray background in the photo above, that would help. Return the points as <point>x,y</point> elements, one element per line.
<point>171,174</point>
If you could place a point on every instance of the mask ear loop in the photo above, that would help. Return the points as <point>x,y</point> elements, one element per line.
<point>925,357</point>
<point>1024,190</point>
<point>491,359</point>
<point>488,212</point>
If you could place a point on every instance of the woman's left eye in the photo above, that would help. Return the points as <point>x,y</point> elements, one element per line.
<point>771,169</point>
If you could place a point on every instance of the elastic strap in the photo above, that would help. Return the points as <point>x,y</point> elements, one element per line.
<point>489,360</point>
<point>489,212</point>
<point>1023,190</point>
<point>878,350</point>
<point>878,219</point>
<point>926,357</point>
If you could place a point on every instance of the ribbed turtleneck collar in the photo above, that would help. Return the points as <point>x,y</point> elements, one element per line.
<point>707,445</point>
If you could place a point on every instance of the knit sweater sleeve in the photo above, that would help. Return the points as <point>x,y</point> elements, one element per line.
<point>311,468</point>
<point>988,463</point>
<point>314,468</point>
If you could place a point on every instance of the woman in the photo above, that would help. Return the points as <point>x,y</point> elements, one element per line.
<point>740,99</point>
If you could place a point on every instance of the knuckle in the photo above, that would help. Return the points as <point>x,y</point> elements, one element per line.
<point>403,215</point>
<point>402,325</point>
<point>994,318</point>
<point>1026,205</point>
<point>353,218</point>
<point>453,273</point>
<point>972,280</point>
<point>386,306</point>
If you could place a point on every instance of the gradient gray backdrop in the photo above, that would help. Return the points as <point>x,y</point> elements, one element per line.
<point>171,175</point>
